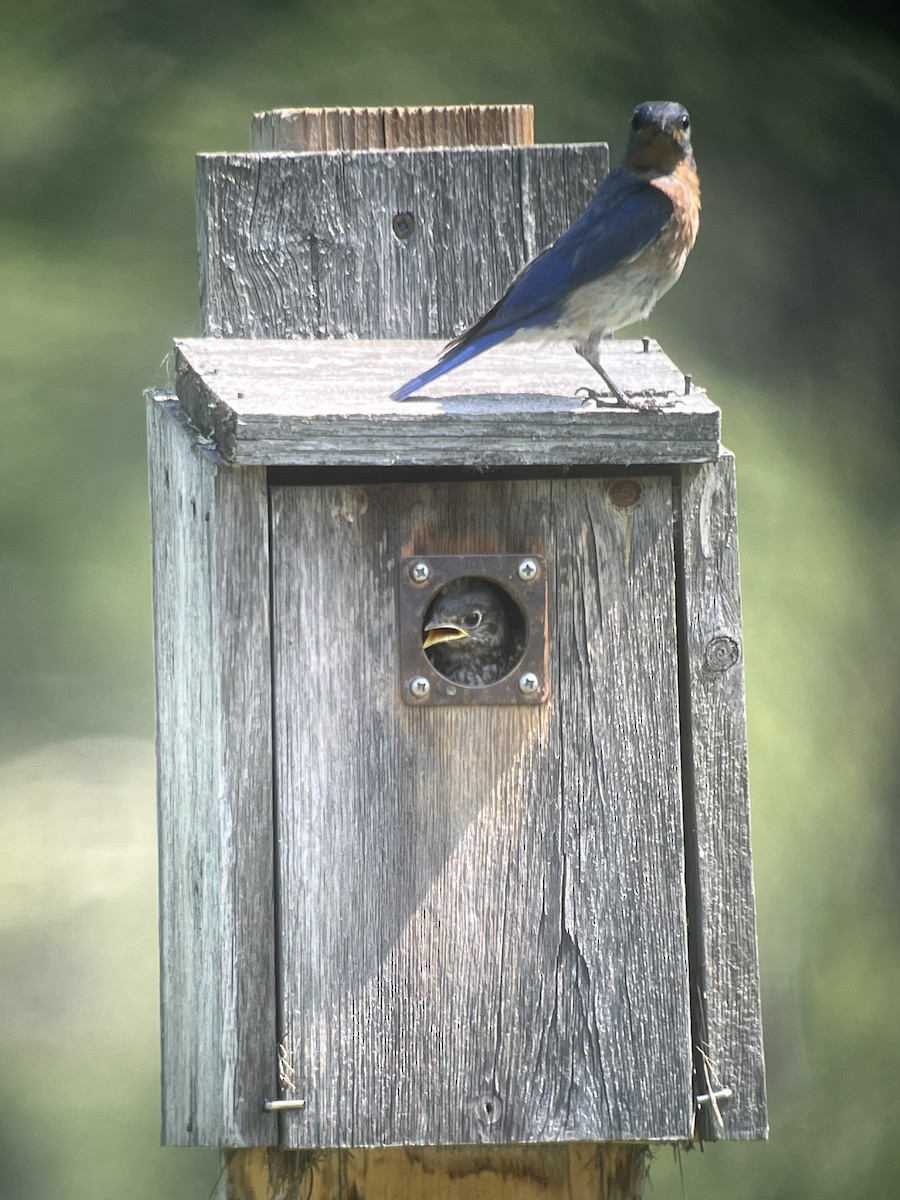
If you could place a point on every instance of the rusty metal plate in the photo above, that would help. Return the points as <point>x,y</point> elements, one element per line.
<point>522,579</point>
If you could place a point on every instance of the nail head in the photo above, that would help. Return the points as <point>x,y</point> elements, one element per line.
<point>625,493</point>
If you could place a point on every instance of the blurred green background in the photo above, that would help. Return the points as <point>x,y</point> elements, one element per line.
<point>788,313</point>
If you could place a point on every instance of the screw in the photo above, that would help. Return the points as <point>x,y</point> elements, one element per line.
<point>646,344</point>
<point>403,225</point>
<point>529,683</point>
<point>419,687</point>
<point>420,572</point>
<point>528,569</point>
<point>688,380</point>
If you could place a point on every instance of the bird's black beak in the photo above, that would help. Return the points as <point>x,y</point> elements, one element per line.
<point>435,633</point>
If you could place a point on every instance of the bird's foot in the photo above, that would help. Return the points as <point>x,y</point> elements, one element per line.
<point>648,400</point>
<point>593,399</point>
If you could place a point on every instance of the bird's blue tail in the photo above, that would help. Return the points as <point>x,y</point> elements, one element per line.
<point>455,354</point>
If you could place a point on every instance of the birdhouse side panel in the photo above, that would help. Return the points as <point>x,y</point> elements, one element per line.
<point>482,910</point>
<point>728,1024</point>
<point>211,619</point>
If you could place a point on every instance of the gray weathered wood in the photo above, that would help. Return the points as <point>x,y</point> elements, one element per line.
<point>314,129</point>
<point>726,1002</point>
<point>482,911</point>
<point>211,608</point>
<point>327,402</point>
<point>303,245</point>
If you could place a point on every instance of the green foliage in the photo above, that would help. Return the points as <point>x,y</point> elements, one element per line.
<point>788,312</point>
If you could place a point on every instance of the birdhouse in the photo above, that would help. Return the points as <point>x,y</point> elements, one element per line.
<point>454,823</point>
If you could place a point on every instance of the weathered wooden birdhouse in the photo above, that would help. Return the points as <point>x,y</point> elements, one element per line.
<point>400,908</point>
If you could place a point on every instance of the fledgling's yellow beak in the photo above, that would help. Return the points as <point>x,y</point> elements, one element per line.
<point>442,633</point>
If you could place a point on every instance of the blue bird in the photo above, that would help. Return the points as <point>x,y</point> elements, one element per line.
<point>612,264</point>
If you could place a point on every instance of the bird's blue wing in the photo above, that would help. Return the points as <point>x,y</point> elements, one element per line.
<point>624,217</point>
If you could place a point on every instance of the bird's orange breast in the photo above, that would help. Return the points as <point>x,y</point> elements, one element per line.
<point>677,237</point>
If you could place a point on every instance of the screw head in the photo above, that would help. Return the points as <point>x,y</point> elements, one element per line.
<point>403,225</point>
<point>528,569</point>
<point>529,683</point>
<point>419,687</point>
<point>420,572</point>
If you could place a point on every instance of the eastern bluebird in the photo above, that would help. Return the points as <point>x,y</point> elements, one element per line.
<point>469,636</point>
<point>610,266</point>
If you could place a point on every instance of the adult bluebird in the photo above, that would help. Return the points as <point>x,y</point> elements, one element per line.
<point>611,266</point>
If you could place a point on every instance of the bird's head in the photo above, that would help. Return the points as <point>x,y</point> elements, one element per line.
<point>660,137</point>
<point>470,611</point>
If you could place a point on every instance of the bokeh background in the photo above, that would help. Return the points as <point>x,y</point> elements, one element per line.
<point>788,312</point>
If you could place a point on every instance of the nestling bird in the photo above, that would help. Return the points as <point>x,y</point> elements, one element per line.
<point>611,266</point>
<point>468,634</point>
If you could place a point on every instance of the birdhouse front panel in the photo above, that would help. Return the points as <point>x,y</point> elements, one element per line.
<point>481,906</point>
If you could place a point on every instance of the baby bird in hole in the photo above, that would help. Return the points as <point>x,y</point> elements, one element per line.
<point>469,635</point>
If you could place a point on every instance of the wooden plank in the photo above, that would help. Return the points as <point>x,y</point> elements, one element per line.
<point>210,598</point>
<point>327,403</point>
<point>727,1024</point>
<point>315,129</point>
<point>569,1171</point>
<point>304,245</point>
<point>482,910</point>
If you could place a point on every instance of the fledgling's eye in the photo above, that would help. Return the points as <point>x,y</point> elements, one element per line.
<point>685,122</point>
<point>472,620</point>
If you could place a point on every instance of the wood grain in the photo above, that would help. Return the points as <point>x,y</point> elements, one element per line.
<point>573,1171</point>
<point>304,245</point>
<point>724,966</point>
<point>316,129</point>
<point>482,911</point>
<point>327,403</point>
<point>211,614</point>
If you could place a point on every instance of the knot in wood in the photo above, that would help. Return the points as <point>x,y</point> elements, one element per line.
<point>722,652</point>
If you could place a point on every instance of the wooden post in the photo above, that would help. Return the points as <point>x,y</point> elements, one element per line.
<point>485,954</point>
<point>565,1171</point>
<point>310,129</point>
<point>461,1173</point>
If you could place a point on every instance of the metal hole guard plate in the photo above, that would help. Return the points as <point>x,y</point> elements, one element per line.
<point>528,590</point>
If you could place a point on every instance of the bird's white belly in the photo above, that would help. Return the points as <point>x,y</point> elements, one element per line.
<point>621,298</point>
<point>604,305</point>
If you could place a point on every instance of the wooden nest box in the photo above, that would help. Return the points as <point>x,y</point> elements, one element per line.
<point>398,909</point>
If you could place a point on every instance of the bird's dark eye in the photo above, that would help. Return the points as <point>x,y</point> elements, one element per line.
<point>637,121</point>
<point>472,620</point>
<point>685,122</point>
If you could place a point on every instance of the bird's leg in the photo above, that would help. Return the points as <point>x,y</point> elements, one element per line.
<point>590,352</point>
<point>646,400</point>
